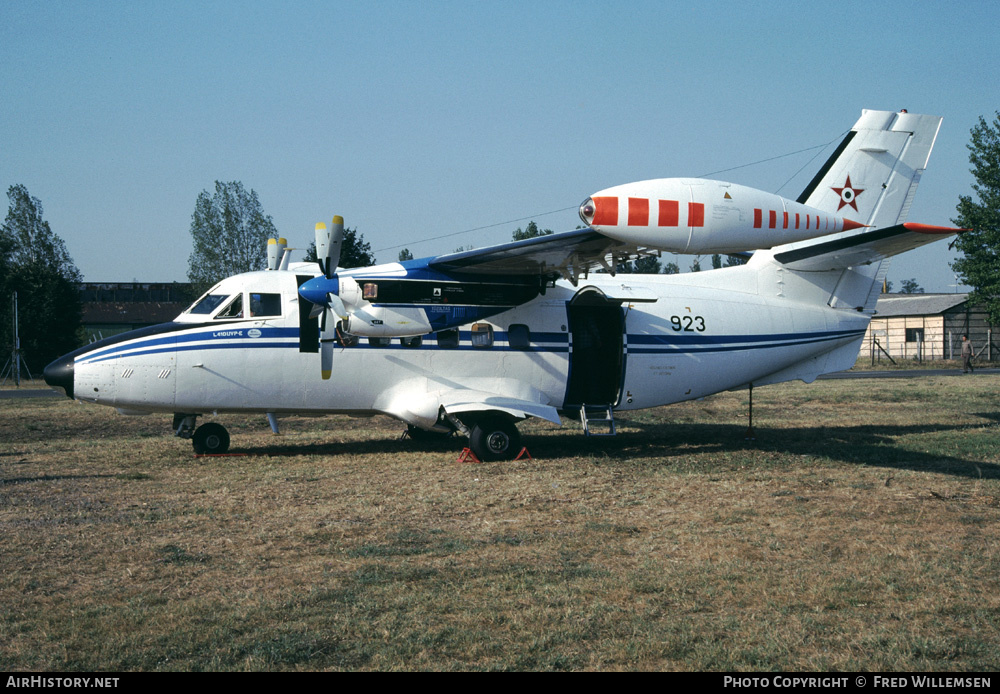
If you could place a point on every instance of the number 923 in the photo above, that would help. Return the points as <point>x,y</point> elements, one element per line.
<point>688,324</point>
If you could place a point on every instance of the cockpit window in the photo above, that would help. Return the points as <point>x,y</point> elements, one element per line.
<point>265,304</point>
<point>208,303</point>
<point>233,310</point>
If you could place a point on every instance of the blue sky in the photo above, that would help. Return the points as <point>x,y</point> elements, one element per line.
<point>416,120</point>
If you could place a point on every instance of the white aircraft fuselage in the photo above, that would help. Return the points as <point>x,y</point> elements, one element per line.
<point>703,333</point>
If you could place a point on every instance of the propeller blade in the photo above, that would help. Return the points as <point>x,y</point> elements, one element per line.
<point>327,341</point>
<point>326,345</point>
<point>336,241</point>
<point>272,254</point>
<point>323,248</point>
<point>337,306</point>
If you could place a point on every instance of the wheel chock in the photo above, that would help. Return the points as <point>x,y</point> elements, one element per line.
<point>524,454</point>
<point>467,456</point>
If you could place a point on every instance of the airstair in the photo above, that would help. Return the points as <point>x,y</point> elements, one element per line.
<point>601,416</point>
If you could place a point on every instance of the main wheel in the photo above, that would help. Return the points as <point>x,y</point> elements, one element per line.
<point>210,438</point>
<point>495,438</point>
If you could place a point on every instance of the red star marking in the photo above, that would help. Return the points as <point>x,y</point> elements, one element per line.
<point>848,194</point>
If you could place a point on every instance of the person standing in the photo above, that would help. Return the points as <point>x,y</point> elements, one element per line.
<point>967,353</point>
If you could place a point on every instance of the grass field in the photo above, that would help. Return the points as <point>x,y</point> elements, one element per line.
<point>859,531</point>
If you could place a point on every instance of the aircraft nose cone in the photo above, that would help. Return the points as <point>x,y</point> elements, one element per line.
<point>59,374</point>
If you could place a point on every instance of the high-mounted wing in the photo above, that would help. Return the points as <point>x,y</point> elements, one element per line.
<point>568,254</point>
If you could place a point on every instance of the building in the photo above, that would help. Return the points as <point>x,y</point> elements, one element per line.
<point>928,326</point>
<point>117,307</point>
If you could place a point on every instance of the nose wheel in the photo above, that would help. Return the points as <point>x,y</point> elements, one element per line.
<point>210,438</point>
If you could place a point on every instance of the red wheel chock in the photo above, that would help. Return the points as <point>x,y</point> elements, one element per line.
<point>467,456</point>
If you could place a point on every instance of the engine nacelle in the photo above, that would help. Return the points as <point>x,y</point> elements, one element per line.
<point>383,321</point>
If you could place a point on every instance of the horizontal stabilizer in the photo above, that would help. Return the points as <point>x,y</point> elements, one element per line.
<point>862,249</point>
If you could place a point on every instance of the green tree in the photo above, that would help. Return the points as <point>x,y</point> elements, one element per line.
<point>354,251</point>
<point>230,231</point>
<point>35,264</point>
<point>646,265</point>
<point>530,232</point>
<point>405,255</point>
<point>980,247</point>
<point>671,269</point>
<point>910,286</point>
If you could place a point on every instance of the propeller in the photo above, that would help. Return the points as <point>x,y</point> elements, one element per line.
<point>328,245</point>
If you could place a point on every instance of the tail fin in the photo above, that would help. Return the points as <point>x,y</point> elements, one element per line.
<point>870,178</point>
<point>874,172</point>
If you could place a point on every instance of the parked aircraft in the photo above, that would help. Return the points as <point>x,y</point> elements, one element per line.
<point>473,342</point>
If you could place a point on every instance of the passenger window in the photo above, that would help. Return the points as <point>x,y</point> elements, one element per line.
<point>262,305</point>
<point>369,291</point>
<point>519,336</point>
<point>482,335</point>
<point>234,310</point>
<point>448,339</point>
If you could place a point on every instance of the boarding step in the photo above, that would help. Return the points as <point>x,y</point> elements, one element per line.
<point>599,415</point>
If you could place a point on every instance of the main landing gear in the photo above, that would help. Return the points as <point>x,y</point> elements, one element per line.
<point>491,437</point>
<point>210,438</point>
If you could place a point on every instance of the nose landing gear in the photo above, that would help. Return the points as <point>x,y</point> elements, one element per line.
<point>210,438</point>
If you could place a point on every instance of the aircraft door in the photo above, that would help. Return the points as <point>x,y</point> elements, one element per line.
<point>597,362</point>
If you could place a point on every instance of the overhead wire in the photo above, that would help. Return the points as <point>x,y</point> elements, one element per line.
<point>819,149</point>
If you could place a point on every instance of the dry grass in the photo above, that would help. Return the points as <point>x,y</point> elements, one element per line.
<point>858,532</point>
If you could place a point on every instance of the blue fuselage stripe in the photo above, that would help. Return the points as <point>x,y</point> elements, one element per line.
<point>550,342</point>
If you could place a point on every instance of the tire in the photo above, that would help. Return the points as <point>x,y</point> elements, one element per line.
<point>495,438</point>
<point>210,439</point>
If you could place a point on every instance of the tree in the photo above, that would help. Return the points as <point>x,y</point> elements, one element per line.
<point>910,286</point>
<point>230,232</point>
<point>696,265</point>
<point>646,265</point>
<point>981,246</point>
<point>354,251</point>
<point>35,264</point>
<point>671,269</point>
<point>530,232</point>
<point>405,255</point>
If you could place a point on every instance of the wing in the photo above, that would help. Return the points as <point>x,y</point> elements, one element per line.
<point>568,254</point>
<point>861,249</point>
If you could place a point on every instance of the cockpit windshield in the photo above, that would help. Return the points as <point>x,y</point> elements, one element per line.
<point>208,303</point>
